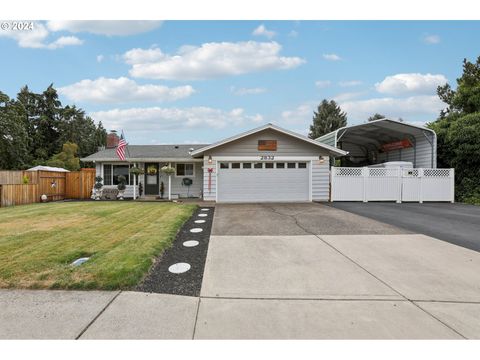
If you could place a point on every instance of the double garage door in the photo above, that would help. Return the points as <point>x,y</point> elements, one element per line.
<point>263,181</point>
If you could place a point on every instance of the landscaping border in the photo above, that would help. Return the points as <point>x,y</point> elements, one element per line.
<point>160,280</point>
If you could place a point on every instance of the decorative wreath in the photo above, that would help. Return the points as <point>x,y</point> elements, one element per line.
<point>152,170</point>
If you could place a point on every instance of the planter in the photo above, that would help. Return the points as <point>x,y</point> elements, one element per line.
<point>98,194</point>
<point>121,194</point>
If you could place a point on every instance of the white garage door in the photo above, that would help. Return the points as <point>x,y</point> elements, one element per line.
<point>263,182</point>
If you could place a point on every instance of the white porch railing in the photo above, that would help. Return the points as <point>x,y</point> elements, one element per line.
<point>392,184</point>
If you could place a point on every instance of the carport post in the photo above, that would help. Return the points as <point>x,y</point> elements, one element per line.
<point>420,179</point>
<point>365,179</point>
<point>399,179</point>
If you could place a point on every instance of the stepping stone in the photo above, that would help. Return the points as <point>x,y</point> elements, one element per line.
<point>196,230</point>
<point>179,268</point>
<point>202,215</point>
<point>205,209</point>
<point>190,243</point>
<point>199,221</point>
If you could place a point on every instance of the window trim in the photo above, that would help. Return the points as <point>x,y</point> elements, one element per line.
<point>130,177</point>
<point>184,176</point>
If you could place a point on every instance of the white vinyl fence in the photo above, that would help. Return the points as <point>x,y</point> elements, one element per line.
<point>392,184</point>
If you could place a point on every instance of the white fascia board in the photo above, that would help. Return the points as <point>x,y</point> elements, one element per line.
<point>259,158</point>
<point>329,148</point>
<point>153,160</point>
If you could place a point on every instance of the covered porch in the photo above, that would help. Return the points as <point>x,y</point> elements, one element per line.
<point>185,183</point>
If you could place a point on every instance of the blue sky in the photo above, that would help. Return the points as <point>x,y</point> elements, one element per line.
<point>200,81</point>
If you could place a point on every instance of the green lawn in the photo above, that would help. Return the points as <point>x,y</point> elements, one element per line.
<point>38,242</point>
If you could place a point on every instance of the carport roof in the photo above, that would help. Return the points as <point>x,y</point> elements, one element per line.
<point>379,132</point>
<point>330,149</point>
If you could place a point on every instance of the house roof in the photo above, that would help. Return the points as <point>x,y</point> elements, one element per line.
<point>379,131</point>
<point>47,168</point>
<point>147,153</point>
<point>330,149</point>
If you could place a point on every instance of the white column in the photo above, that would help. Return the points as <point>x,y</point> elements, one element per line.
<point>169,184</point>
<point>134,184</point>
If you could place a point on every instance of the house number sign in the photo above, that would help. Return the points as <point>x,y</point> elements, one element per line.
<point>267,157</point>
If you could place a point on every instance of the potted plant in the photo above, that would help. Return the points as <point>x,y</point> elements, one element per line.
<point>121,186</point>
<point>168,170</point>
<point>98,188</point>
<point>137,171</point>
<point>140,188</point>
<point>162,189</point>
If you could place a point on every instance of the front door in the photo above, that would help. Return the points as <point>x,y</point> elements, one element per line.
<point>151,179</point>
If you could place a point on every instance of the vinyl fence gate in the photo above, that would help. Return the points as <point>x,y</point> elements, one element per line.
<point>392,184</point>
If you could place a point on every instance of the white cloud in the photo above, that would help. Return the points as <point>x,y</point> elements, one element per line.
<point>106,90</point>
<point>153,119</point>
<point>431,39</point>
<point>322,83</point>
<point>37,38</point>
<point>100,58</point>
<point>247,91</point>
<point>263,31</point>
<point>331,57</point>
<point>104,27</point>
<point>210,60</point>
<point>350,83</point>
<point>348,96</point>
<point>293,34</point>
<point>414,106</point>
<point>410,83</point>
<point>302,114</point>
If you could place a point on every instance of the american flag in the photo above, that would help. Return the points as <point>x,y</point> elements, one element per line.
<point>122,144</point>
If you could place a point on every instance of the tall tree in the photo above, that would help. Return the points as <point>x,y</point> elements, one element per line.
<point>14,152</point>
<point>67,158</point>
<point>458,131</point>
<point>376,116</point>
<point>328,117</point>
<point>466,98</point>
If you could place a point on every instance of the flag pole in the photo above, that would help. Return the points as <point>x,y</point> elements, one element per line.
<point>134,177</point>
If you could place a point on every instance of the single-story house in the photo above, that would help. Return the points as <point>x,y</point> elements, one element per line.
<point>265,164</point>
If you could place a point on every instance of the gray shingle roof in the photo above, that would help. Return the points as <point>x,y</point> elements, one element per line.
<point>139,152</point>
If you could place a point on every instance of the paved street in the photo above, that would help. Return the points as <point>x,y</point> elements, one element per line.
<point>314,275</point>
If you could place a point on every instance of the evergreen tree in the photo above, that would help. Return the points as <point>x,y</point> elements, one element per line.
<point>376,116</point>
<point>458,131</point>
<point>327,118</point>
<point>66,159</point>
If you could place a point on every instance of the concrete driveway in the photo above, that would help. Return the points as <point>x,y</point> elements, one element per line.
<point>281,271</point>
<point>313,271</point>
<point>458,224</point>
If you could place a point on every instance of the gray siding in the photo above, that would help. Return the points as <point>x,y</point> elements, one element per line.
<point>328,139</point>
<point>286,146</point>
<point>209,195</point>
<point>321,180</point>
<point>177,187</point>
<point>423,154</point>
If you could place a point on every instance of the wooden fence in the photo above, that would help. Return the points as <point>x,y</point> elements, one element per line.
<point>17,177</point>
<point>79,184</point>
<point>55,185</point>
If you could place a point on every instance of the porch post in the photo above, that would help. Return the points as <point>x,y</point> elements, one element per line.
<point>134,184</point>
<point>169,184</point>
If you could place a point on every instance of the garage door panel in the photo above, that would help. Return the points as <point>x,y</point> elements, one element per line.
<point>257,185</point>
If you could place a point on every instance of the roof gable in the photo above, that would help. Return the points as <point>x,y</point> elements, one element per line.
<point>331,150</point>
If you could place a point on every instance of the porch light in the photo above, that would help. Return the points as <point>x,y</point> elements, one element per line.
<point>321,159</point>
<point>210,159</point>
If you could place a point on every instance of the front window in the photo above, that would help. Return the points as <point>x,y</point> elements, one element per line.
<point>112,172</point>
<point>120,170</point>
<point>185,169</point>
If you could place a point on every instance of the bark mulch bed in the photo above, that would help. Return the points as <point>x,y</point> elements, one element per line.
<point>160,280</point>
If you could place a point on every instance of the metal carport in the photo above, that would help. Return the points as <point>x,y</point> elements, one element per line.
<point>364,143</point>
